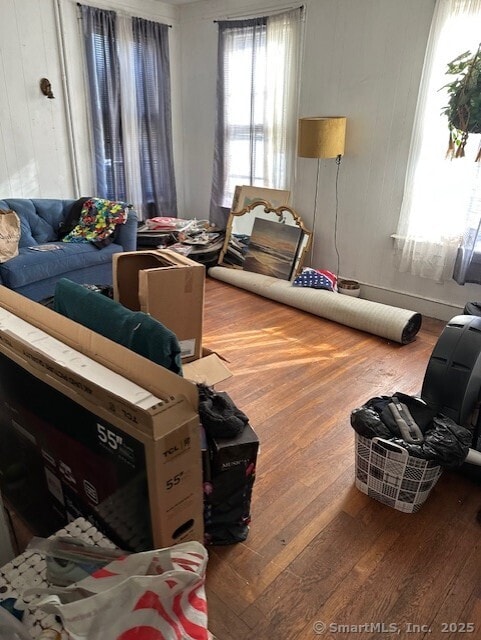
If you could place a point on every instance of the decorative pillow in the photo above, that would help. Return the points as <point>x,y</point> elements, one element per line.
<point>316,279</point>
<point>98,220</point>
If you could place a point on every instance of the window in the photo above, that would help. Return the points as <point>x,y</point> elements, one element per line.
<point>258,70</point>
<point>154,116</point>
<point>129,83</point>
<point>103,65</point>
<point>245,66</point>
<point>441,209</point>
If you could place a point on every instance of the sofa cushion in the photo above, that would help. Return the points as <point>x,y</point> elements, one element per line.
<point>27,267</point>
<point>39,218</point>
<point>135,330</point>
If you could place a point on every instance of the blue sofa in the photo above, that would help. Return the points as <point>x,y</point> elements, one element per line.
<point>34,274</point>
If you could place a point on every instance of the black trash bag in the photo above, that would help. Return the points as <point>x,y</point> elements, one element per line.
<point>367,423</point>
<point>445,442</point>
<point>219,416</point>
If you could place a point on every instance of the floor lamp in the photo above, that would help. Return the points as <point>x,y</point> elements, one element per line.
<point>321,137</point>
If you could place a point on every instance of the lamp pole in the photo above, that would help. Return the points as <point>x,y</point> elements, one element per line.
<point>315,212</point>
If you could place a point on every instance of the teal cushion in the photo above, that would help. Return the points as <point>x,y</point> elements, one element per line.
<point>133,329</point>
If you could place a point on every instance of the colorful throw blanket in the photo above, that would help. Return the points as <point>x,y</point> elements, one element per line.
<point>98,220</point>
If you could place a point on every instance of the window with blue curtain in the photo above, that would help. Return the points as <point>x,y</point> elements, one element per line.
<point>152,74</point>
<point>130,99</point>
<point>104,78</point>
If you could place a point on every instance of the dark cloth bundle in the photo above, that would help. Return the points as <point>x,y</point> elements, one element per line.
<point>72,218</point>
<point>218,414</point>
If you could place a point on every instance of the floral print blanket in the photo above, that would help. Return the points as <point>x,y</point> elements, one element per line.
<point>98,220</point>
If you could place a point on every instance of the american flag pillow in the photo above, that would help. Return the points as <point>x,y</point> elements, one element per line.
<point>316,279</point>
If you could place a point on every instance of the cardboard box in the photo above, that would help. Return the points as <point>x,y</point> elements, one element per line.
<point>168,286</point>
<point>135,414</point>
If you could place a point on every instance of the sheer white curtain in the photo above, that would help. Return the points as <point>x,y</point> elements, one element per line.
<point>438,191</point>
<point>128,104</point>
<point>257,97</point>
<point>283,49</point>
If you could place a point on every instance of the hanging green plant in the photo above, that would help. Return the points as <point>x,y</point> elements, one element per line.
<point>464,107</point>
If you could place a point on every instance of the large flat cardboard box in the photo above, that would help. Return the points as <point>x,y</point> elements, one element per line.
<point>168,286</point>
<point>93,429</point>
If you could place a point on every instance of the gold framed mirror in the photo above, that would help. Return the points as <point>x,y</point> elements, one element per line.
<point>266,239</point>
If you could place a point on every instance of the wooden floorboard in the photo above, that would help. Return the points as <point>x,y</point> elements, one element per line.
<point>319,551</point>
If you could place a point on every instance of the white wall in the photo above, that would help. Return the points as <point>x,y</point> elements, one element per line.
<point>33,135</point>
<point>46,148</point>
<point>361,59</point>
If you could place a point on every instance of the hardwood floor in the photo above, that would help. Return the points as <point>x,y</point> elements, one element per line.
<point>319,551</point>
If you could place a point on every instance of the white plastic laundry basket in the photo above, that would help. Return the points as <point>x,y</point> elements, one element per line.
<point>386,472</point>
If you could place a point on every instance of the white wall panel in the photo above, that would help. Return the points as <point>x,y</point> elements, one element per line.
<point>33,126</point>
<point>362,59</point>
<point>46,144</point>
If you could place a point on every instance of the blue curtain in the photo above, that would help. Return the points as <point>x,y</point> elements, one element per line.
<point>152,72</point>
<point>104,93</point>
<point>468,261</point>
<point>151,69</point>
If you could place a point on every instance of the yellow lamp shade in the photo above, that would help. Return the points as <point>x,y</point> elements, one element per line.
<point>321,137</point>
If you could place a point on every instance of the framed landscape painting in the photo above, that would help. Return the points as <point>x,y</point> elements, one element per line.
<point>273,249</point>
